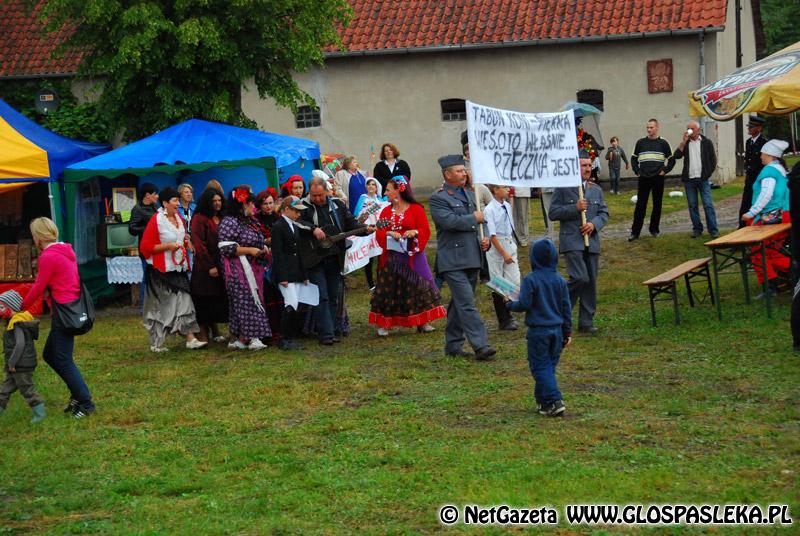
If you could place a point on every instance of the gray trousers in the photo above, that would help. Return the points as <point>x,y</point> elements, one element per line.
<point>520,210</point>
<point>22,380</point>
<point>582,270</point>
<point>463,318</point>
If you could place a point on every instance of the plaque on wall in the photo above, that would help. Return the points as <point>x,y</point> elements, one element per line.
<point>659,76</point>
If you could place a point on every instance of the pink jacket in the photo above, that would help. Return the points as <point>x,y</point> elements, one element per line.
<point>58,272</point>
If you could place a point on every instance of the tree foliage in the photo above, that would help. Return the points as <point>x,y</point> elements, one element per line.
<point>779,19</point>
<point>159,62</point>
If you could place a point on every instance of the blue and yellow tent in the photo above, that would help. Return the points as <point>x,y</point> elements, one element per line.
<point>31,153</point>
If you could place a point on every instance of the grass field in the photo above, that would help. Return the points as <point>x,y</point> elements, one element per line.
<point>374,435</point>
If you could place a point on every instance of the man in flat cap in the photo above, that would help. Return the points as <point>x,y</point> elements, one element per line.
<point>752,162</point>
<point>582,262</point>
<point>457,220</point>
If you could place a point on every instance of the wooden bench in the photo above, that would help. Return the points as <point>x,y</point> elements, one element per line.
<point>664,284</point>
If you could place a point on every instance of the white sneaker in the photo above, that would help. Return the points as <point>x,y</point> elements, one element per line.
<point>159,349</point>
<point>383,332</point>
<point>220,338</point>
<point>194,344</point>
<point>256,344</point>
<point>237,345</point>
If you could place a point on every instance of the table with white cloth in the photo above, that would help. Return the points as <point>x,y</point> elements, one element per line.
<point>127,271</point>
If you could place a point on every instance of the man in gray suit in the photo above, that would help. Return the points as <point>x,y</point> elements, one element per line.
<point>457,218</point>
<point>582,262</point>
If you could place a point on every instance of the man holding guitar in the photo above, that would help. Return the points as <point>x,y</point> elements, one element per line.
<point>327,217</point>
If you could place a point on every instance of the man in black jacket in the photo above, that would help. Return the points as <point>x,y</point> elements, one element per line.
<point>752,162</point>
<point>144,210</point>
<point>699,162</point>
<point>140,216</point>
<point>651,161</point>
<point>327,216</point>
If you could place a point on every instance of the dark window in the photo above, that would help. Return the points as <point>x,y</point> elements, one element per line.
<point>307,117</point>
<point>591,96</point>
<point>454,110</point>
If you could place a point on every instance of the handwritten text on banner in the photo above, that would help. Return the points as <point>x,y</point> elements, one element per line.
<point>522,149</point>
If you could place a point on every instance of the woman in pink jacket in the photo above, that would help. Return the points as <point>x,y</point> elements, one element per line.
<point>58,274</point>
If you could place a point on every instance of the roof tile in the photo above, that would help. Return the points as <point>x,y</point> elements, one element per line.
<point>387,24</point>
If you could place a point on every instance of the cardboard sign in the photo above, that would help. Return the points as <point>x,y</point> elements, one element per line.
<point>522,149</point>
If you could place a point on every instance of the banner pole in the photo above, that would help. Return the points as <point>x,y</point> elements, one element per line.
<point>583,217</point>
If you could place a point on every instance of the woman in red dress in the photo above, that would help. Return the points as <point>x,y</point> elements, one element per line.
<point>405,294</point>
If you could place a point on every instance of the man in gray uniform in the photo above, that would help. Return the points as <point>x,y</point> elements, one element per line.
<point>582,262</point>
<point>457,219</point>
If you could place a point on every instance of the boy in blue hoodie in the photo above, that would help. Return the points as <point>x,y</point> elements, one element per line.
<point>545,299</point>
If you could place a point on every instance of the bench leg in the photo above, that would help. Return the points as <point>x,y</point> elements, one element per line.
<point>716,284</point>
<point>689,290</point>
<point>745,280</point>
<point>708,280</point>
<point>652,293</point>
<point>674,290</point>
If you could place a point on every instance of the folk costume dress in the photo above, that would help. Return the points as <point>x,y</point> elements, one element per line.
<point>405,294</point>
<point>208,293</point>
<point>168,306</point>
<point>771,206</point>
<point>244,277</point>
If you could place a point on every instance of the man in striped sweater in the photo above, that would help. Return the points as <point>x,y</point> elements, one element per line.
<point>651,161</point>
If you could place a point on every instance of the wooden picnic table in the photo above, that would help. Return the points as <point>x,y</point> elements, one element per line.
<point>736,249</point>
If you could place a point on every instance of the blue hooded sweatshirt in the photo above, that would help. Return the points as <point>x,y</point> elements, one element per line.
<point>544,295</point>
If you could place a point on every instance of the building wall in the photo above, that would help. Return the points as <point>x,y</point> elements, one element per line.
<point>368,100</point>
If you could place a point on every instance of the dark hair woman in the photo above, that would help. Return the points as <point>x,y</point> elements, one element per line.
<point>390,165</point>
<point>244,259</point>
<point>405,294</point>
<point>207,285</point>
<point>168,306</point>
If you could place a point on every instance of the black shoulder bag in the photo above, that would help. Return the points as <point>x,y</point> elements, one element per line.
<point>77,316</point>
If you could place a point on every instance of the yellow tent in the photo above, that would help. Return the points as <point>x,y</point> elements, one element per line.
<point>769,86</point>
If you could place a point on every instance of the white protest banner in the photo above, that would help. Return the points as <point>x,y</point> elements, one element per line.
<point>522,149</point>
<point>363,248</point>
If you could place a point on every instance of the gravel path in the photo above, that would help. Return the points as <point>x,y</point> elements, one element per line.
<point>679,222</point>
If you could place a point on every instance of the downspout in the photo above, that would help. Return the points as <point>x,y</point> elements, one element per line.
<point>702,41</point>
<point>739,120</point>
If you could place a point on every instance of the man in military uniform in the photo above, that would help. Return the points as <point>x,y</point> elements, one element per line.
<point>752,162</point>
<point>457,218</point>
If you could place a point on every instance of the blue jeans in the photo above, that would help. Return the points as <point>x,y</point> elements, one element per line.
<point>693,186</point>
<point>58,354</point>
<point>544,352</point>
<point>613,174</point>
<point>327,276</point>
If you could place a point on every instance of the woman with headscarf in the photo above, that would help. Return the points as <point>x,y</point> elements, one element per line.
<point>771,206</point>
<point>168,306</point>
<point>405,295</point>
<point>366,210</point>
<point>244,258</point>
<point>208,287</point>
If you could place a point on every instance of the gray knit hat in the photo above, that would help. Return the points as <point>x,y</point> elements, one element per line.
<point>12,300</point>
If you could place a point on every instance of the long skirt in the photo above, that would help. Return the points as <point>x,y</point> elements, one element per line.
<point>211,309</point>
<point>405,295</point>
<point>777,262</point>
<point>248,320</point>
<point>168,307</point>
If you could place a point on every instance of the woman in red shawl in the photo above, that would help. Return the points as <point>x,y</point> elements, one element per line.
<point>405,294</point>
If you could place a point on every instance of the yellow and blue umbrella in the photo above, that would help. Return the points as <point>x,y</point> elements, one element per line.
<point>770,86</point>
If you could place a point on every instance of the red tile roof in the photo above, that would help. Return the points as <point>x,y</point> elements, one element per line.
<point>25,50</point>
<point>382,25</point>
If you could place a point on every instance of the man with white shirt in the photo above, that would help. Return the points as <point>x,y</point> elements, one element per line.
<point>699,163</point>
<point>502,256</point>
